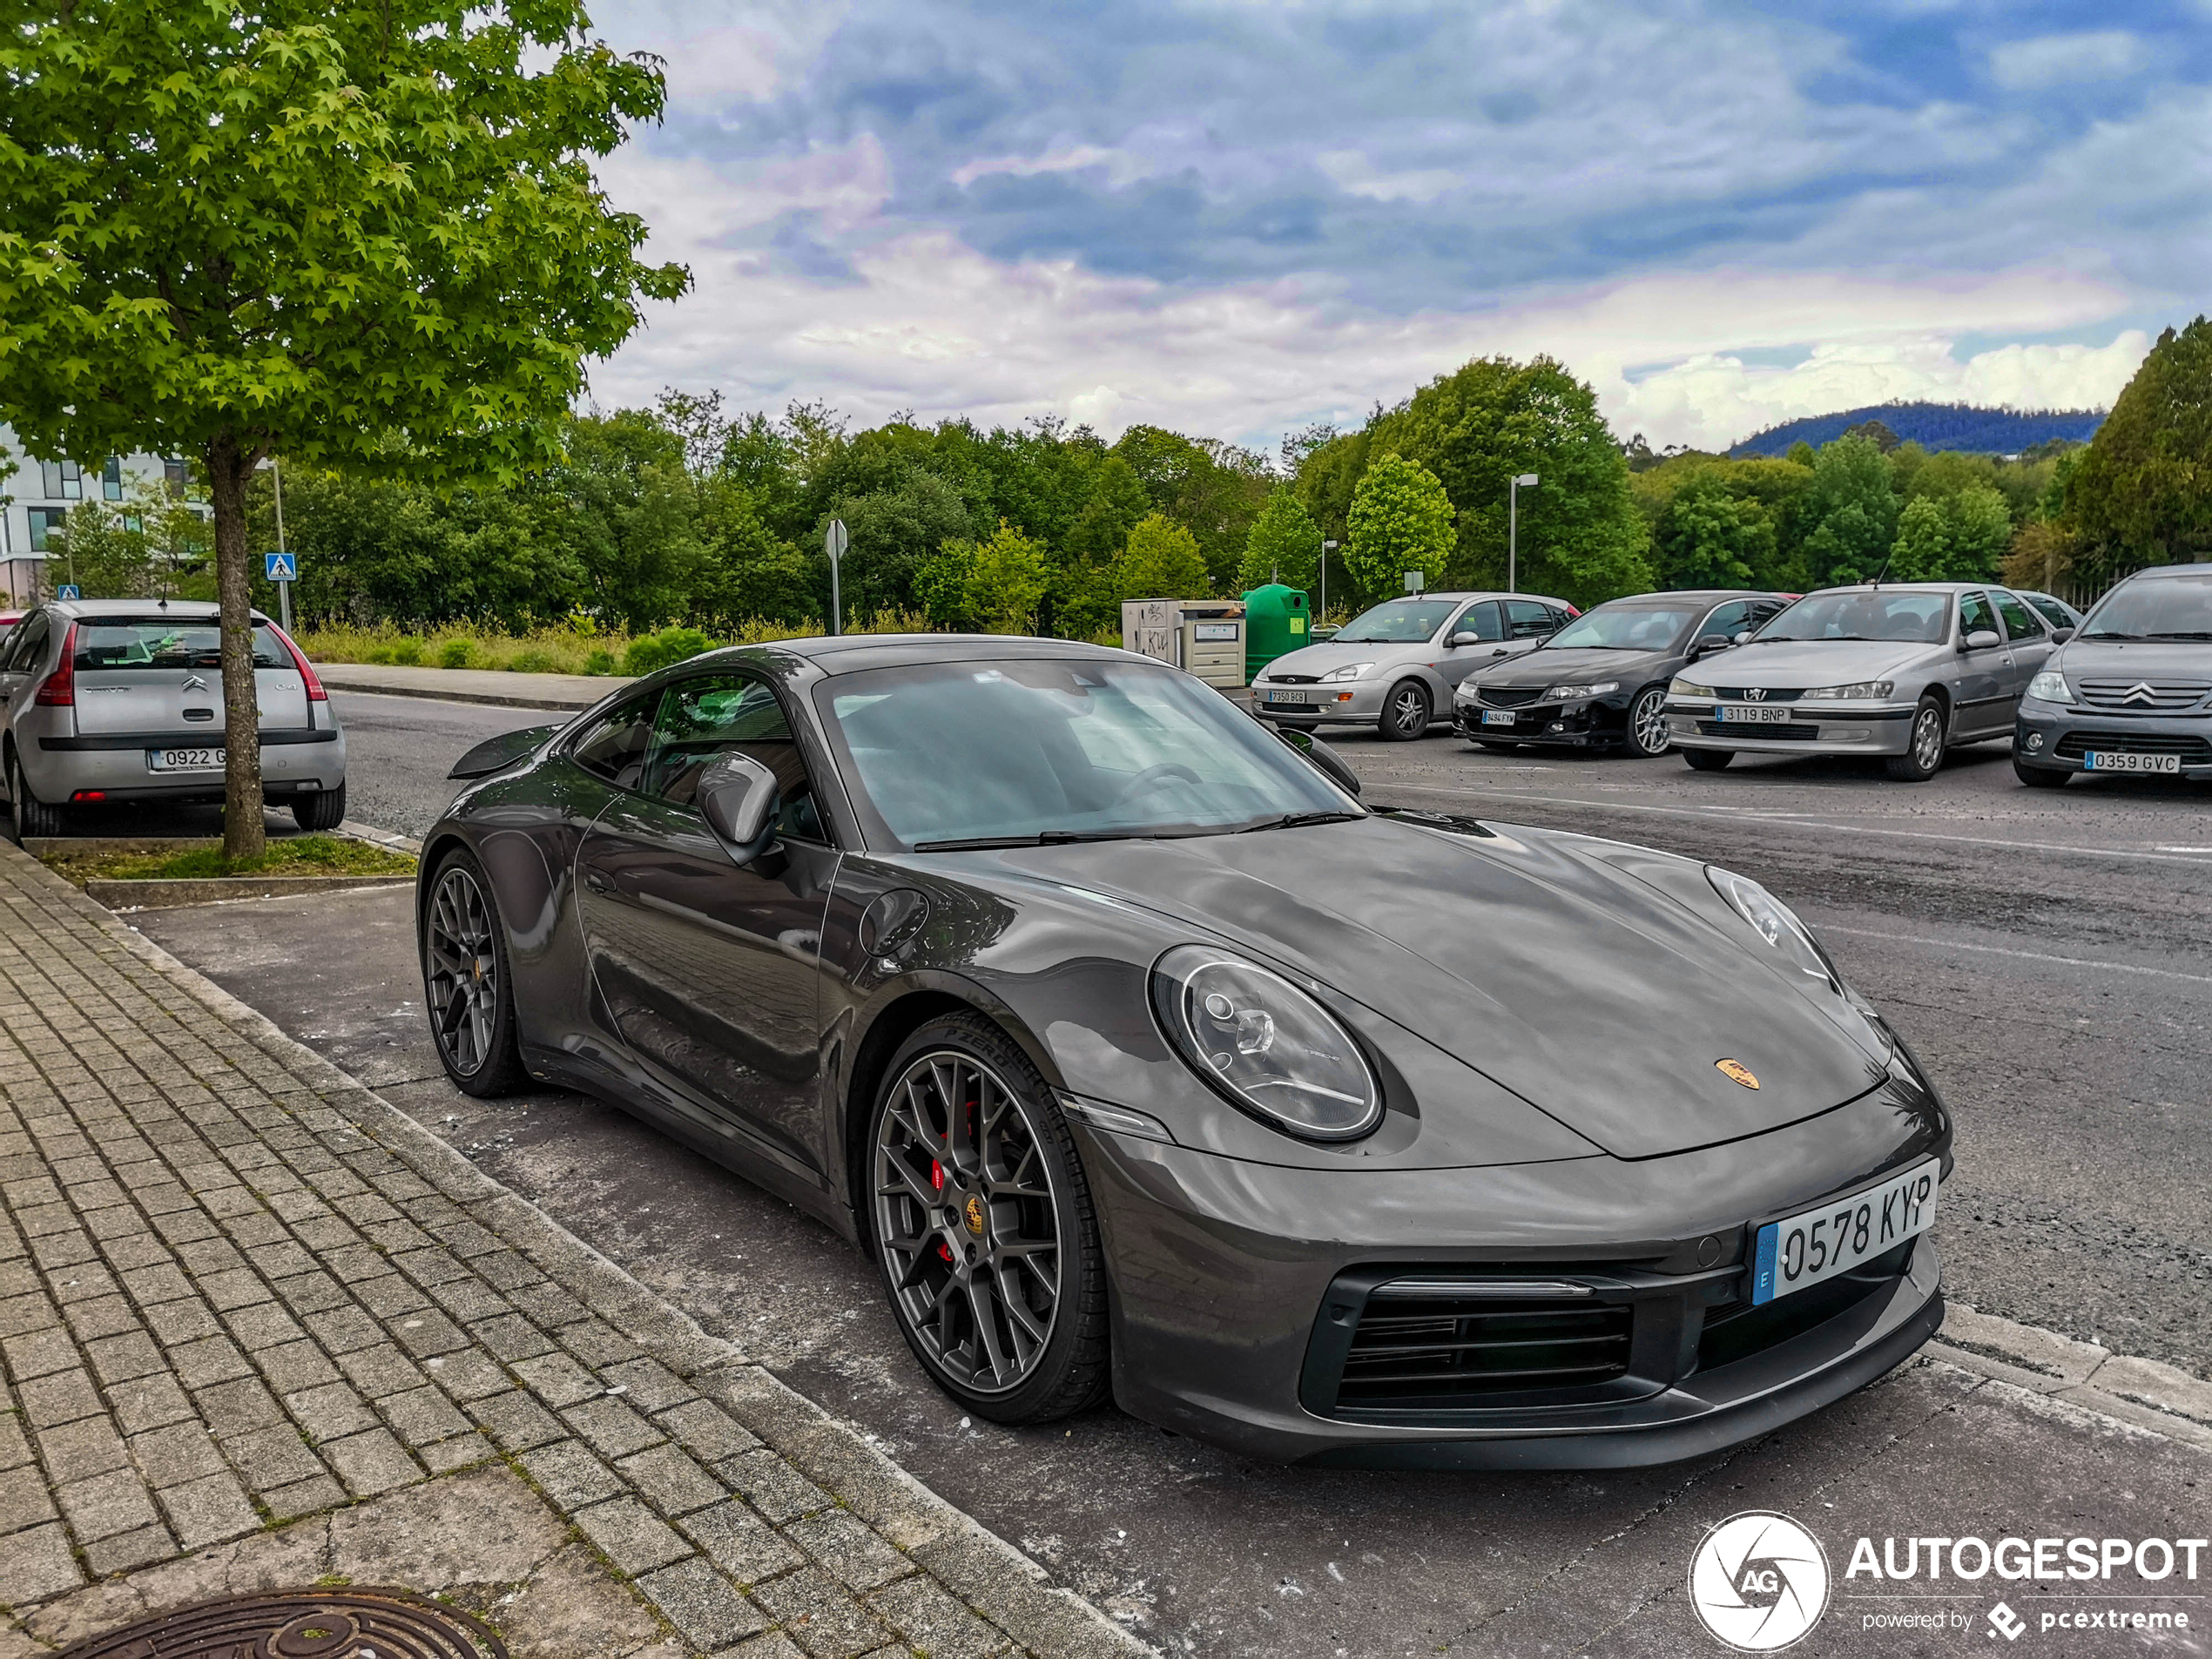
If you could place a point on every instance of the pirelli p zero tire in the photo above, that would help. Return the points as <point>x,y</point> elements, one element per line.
<point>467,985</point>
<point>983,1226</point>
<point>1924,744</point>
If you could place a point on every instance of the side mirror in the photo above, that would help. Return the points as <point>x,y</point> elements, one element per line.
<point>1326,759</point>
<point>1744,638</point>
<point>737,795</point>
<point>2059,635</point>
<point>1707,645</point>
<point>1982,639</point>
<point>1461,639</point>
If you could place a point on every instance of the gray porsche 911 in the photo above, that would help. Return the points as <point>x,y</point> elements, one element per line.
<point>1143,1059</point>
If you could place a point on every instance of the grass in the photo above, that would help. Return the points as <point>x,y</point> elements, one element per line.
<point>559,649</point>
<point>299,855</point>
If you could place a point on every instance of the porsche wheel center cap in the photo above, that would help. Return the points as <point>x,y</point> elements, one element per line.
<point>972,1210</point>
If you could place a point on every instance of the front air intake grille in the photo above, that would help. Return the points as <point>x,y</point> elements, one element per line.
<point>1437,1351</point>
<point>1735,1330</point>
<point>2144,696</point>
<point>1758,693</point>
<point>1798,731</point>
<point>1293,679</point>
<point>2193,751</point>
<point>1509,697</point>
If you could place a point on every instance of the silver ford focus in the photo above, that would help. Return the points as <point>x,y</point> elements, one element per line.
<point>1905,670</point>
<point>106,700</point>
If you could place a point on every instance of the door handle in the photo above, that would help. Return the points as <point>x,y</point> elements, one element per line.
<point>598,882</point>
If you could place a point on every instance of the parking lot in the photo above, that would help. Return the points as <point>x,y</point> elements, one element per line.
<point>2047,954</point>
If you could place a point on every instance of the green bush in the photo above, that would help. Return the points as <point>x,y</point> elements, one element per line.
<point>599,662</point>
<point>658,651</point>
<point>406,651</point>
<point>533,661</point>
<point>456,653</point>
<point>379,654</point>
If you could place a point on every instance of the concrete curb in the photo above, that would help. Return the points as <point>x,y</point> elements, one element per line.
<point>495,687</point>
<point>991,1576</point>
<point>160,895</point>
<point>2144,1393</point>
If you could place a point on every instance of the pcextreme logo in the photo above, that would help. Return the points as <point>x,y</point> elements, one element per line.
<point>1759,1582</point>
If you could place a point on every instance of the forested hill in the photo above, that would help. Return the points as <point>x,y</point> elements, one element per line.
<point>1934,426</point>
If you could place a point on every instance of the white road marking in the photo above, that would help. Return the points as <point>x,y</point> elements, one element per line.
<point>1790,821</point>
<point>2000,950</point>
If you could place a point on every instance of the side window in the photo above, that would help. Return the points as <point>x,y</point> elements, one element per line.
<point>24,650</point>
<point>1765,611</point>
<point>1525,619</point>
<point>1481,620</point>
<point>615,748</point>
<point>1974,615</point>
<point>702,719</point>
<point>1727,620</point>
<point>2050,608</point>
<point>2019,621</point>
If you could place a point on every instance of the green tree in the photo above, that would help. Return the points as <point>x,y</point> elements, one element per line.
<point>149,544</point>
<point>626,516</point>
<point>1981,532</point>
<point>1401,520</point>
<point>1851,510</point>
<point>1284,544</point>
<point>893,529</point>
<point>1922,550</point>
<point>1709,537</point>
<point>296,230</point>
<point>2142,493</point>
<point>1162,562</point>
<point>1007,580</point>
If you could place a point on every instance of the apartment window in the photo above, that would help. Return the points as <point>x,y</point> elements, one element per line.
<point>176,472</point>
<point>45,521</point>
<point>111,478</point>
<point>65,481</point>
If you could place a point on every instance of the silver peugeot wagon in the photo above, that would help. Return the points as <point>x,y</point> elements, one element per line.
<point>122,699</point>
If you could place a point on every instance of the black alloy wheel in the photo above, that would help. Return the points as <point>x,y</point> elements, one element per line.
<point>466,986</point>
<point>1923,756</point>
<point>984,1227</point>
<point>322,809</point>
<point>1708,760</point>
<point>1647,733</point>
<point>2040,777</point>
<point>1406,711</point>
<point>30,815</point>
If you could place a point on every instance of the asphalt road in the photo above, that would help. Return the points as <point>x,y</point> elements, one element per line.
<point>2051,957</point>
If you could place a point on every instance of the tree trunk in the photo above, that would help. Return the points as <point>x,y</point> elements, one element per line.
<point>229,466</point>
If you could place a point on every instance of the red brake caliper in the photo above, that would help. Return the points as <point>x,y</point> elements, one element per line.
<point>937,1180</point>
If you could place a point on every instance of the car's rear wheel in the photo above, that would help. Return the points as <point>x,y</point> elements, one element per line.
<point>1708,760</point>
<point>1923,756</point>
<point>466,984</point>
<point>2038,777</point>
<point>323,810</point>
<point>1406,711</point>
<point>1647,734</point>
<point>984,1227</point>
<point>30,815</point>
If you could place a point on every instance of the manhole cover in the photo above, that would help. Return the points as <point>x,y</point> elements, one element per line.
<point>348,1623</point>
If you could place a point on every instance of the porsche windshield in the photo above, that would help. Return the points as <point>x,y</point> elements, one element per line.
<point>1907,615</point>
<point>1397,622</point>
<point>2177,607</point>
<point>1057,748</point>
<point>1622,628</point>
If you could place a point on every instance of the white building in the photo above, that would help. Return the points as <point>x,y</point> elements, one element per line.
<point>36,498</point>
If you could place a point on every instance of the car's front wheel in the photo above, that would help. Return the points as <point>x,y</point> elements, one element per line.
<point>1647,734</point>
<point>1923,756</point>
<point>30,815</point>
<point>984,1227</point>
<point>466,984</point>
<point>1406,711</point>
<point>1708,760</point>
<point>2038,777</point>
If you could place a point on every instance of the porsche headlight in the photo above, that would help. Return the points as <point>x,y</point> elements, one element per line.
<point>1857,691</point>
<point>2050,686</point>
<point>1349,671</point>
<point>1567,693</point>
<point>1267,1045</point>
<point>1689,688</point>
<point>1777,923</point>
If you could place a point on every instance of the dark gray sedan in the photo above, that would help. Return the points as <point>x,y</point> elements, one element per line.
<point>1144,1060</point>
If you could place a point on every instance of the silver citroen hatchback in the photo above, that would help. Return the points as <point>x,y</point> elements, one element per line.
<point>122,699</point>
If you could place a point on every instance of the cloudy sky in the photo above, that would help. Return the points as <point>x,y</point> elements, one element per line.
<point>1233,217</point>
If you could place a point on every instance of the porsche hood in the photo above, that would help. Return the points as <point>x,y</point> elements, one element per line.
<point>1646,1024</point>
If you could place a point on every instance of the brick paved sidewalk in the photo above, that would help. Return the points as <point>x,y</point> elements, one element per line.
<point>260,1328</point>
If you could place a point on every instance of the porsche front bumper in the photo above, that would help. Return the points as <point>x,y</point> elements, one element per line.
<point>1239,1287</point>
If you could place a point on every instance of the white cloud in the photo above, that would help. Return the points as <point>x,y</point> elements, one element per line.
<point>1121,167</point>
<point>1352,172</point>
<point>2056,60</point>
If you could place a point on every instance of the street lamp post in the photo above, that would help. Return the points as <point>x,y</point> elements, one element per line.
<point>1526,481</point>
<point>1327,548</point>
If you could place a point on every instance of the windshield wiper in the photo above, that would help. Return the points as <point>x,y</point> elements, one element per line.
<point>2107,633</point>
<point>2186,633</point>
<point>1043,838</point>
<point>1297,820</point>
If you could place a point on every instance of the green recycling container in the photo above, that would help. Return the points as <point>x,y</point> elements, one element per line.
<point>1276,623</point>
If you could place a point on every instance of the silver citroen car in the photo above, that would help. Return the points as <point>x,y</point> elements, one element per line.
<point>1905,670</point>
<point>1395,666</point>
<point>108,700</point>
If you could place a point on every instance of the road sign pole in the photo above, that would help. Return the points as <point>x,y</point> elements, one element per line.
<point>835,540</point>
<point>284,589</point>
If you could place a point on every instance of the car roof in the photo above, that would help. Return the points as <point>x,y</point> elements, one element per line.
<point>172,610</point>
<point>1457,594</point>
<point>2156,572</point>
<point>1910,587</point>
<point>1688,598</point>
<point>849,653</point>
